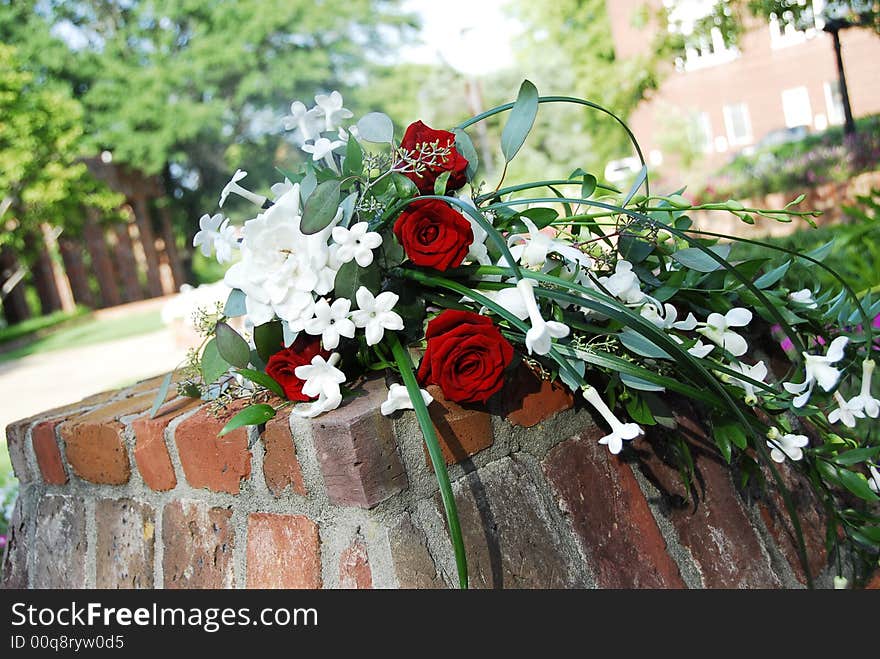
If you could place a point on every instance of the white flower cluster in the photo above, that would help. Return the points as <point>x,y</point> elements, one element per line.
<point>308,124</point>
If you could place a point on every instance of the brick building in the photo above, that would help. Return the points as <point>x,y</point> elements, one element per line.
<point>725,99</point>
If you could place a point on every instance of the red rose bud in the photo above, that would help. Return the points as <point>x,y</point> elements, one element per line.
<point>453,162</point>
<point>466,356</point>
<point>282,365</point>
<point>434,234</point>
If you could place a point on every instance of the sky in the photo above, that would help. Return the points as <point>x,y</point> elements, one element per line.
<point>472,36</point>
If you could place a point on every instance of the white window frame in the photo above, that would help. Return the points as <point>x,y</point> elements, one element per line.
<point>732,138</point>
<point>834,112</point>
<point>795,111</point>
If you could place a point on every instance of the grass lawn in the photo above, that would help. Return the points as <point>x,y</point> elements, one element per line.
<point>90,331</point>
<point>32,325</point>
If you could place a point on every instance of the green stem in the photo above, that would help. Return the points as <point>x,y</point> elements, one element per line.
<point>404,363</point>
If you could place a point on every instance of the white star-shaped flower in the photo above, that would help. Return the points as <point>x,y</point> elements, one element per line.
<point>375,314</point>
<point>669,319</point>
<point>531,249</point>
<point>717,330</point>
<point>321,378</point>
<point>215,234</point>
<point>398,399</point>
<point>623,284</point>
<point>865,401</point>
<point>330,106</point>
<point>757,372</point>
<point>620,431</point>
<point>542,332</point>
<point>846,411</point>
<point>818,369</point>
<point>874,480</point>
<point>331,321</point>
<point>234,188</point>
<point>356,243</point>
<point>322,148</point>
<point>787,446</point>
<point>803,297</point>
<point>307,123</point>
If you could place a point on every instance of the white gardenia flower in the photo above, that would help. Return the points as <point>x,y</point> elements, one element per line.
<point>624,284</point>
<point>846,412</point>
<point>398,399</point>
<point>215,234</point>
<point>786,446</point>
<point>234,187</point>
<point>874,480</point>
<point>804,297</point>
<point>539,337</point>
<point>330,107</point>
<point>669,319</point>
<point>531,249</point>
<point>281,268</point>
<point>322,379</point>
<point>619,431</point>
<point>331,321</point>
<point>356,243</point>
<point>865,401</point>
<point>375,314</point>
<point>322,148</point>
<point>307,123</point>
<point>717,330</point>
<point>757,372</point>
<point>818,369</point>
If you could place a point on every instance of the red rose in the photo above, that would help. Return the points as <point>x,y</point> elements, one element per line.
<point>466,356</point>
<point>283,363</point>
<point>453,162</point>
<point>434,234</point>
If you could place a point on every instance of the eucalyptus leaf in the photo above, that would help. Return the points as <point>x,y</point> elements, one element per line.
<point>235,304</point>
<point>638,344</point>
<point>404,187</point>
<point>696,259</point>
<point>376,127</point>
<point>465,146</point>
<point>351,276</point>
<point>231,346</point>
<point>519,123</point>
<point>634,382</point>
<point>262,379</point>
<point>252,415</point>
<point>568,379</point>
<point>441,182</point>
<point>212,364</point>
<point>768,279</point>
<point>353,165</point>
<point>269,339</point>
<point>160,395</point>
<point>307,187</point>
<point>321,207</point>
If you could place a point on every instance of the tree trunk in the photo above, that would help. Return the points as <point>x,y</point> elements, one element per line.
<point>15,306</point>
<point>849,126</point>
<point>62,283</point>
<point>42,276</point>
<point>148,242</point>
<point>102,265</point>
<point>170,241</point>
<point>71,254</point>
<point>126,265</point>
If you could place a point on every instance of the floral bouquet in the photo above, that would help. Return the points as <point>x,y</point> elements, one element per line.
<point>379,253</point>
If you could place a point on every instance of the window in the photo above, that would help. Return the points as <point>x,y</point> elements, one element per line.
<point>701,132</point>
<point>738,124</point>
<point>834,103</point>
<point>789,28</point>
<point>796,107</point>
<point>704,43</point>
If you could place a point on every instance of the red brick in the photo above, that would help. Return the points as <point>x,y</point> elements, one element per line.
<point>14,573</point>
<point>710,521</point>
<point>16,444</point>
<point>354,567</point>
<point>357,451</point>
<point>413,564</point>
<point>610,515</point>
<point>209,461</point>
<point>150,450</point>
<point>527,400</point>
<point>280,465</point>
<point>198,543</point>
<point>94,442</point>
<point>124,549</point>
<point>874,582</point>
<point>283,551</point>
<point>60,544</point>
<point>461,431</point>
<point>47,452</point>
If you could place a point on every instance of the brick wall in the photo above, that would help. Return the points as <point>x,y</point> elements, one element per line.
<point>112,499</point>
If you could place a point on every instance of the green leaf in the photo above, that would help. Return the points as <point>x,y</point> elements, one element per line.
<point>440,183</point>
<point>235,304</point>
<point>519,123</point>
<point>640,178</point>
<point>638,344</point>
<point>821,252</point>
<point>252,415</point>
<point>263,379</point>
<point>231,346</point>
<point>376,127</point>
<point>639,411</point>
<point>351,276</point>
<point>269,339</point>
<point>465,147</point>
<point>160,395</point>
<point>723,444</point>
<point>857,455</point>
<point>321,207</point>
<point>308,185</point>
<point>634,382</point>
<point>696,259</point>
<point>857,484</point>
<point>353,165</point>
<point>633,249</point>
<point>769,278</point>
<point>404,187</point>
<point>213,365</point>
<point>732,432</point>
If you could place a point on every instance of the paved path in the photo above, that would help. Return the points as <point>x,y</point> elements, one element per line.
<point>42,381</point>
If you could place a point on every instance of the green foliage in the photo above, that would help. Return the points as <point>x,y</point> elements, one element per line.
<point>39,325</point>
